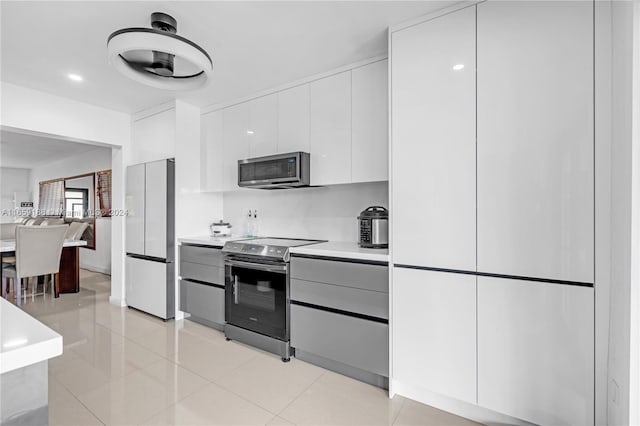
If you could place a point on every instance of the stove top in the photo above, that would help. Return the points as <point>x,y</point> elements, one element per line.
<point>274,248</point>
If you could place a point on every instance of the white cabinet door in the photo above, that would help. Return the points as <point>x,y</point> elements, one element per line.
<point>154,137</point>
<point>211,151</point>
<point>535,139</point>
<point>535,350</point>
<point>235,124</point>
<point>370,134</point>
<point>293,119</point>
<point>434,331</point>
<point>155,232</point>
<point>263,126</point>
<point>134,202</point>
<point>433,143</point>
<point>331,130</point>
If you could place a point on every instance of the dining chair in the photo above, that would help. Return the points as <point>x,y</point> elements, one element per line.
<point>52,221</point>
<point>75,231</point>
<point>38,251</point>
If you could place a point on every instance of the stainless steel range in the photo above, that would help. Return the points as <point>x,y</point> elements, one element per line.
<point>257,292</point>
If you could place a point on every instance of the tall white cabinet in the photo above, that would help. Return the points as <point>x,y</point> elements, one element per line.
<point>535,139</point>
<point>492,201</point>
<point>434,146</point>
<point>535,350</point>
<point>435,324</point>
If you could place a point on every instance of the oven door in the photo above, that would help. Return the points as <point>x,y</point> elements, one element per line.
<point>257,296</point>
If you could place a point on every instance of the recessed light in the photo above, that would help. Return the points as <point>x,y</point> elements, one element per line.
<point>458,67</point>
<point>75,77</point>
<point>250,132</point>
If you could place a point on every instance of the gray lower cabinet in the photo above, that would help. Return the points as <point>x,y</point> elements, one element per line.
<point>202,284</point>
<point>204,302</point>
<point>339,316</point>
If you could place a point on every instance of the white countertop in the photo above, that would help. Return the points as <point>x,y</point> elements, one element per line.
<point>342,249</point>
<point>23,339</point>
<point>207,240</point>
<point>10,245</point>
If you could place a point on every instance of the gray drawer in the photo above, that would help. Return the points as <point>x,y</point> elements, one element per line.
<point>202,301</point>
<point>358,275</point>
<point>367,302</point>
<point>200,272</point>
<point>352,341</point>
<point>204,255</point>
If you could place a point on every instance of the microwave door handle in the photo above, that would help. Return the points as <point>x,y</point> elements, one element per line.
<point>235,289</point>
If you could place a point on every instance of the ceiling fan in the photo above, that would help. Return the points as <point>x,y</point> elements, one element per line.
<point>158,57</point>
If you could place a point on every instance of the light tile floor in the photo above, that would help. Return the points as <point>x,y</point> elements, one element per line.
<point>121,366</point>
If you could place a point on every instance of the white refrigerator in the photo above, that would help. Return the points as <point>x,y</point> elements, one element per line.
<point>150,238</point>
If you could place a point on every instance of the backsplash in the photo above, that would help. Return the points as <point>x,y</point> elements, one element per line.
<point>328,213</point>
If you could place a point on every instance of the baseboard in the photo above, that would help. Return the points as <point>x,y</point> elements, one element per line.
<point>117,301</point>
<point>99,269</point>
<point>454,406</point>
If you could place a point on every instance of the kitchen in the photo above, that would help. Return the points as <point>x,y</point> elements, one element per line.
<point>469,253</point>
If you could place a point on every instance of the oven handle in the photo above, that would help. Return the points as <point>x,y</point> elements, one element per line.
<point>279,269</point>
<point>235,289</point>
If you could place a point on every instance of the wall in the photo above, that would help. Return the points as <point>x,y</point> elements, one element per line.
<point>622,24</point>
<point>12,180</point>
<point>98,260</point>
<point>634,392</point>
<point>29,109</point>
<point>326,213</point>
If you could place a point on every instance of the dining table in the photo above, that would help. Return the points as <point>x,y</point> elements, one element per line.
<point>69,274</point>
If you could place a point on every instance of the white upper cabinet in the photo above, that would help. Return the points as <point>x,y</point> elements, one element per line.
<point>536,351</point>
<point>330,146</point>
<point>263,126</point>
<point>154,137</point>
<point>434,331</point>
<point>433,143</point>
<point>235,125</point>
<point>211,151</point>
<point>369,138</point>
<point>535,139</point>
<point>293,119</point>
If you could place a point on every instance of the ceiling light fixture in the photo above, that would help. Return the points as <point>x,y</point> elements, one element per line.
<point>458,67</point>
<point>75,77</point>
<point>158,57</point>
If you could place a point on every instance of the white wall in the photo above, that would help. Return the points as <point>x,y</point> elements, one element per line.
<point>328,213</point>
<point>634,392</point>
<point>12,180</point>
<point>24,108</point>
<point>619,325</point>
<point>98,260</point>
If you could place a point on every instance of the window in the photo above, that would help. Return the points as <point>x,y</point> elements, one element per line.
<point>76,202</point>
<point>51,200</point>
<point>104,192</point>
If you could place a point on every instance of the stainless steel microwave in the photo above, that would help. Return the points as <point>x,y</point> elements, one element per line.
<point>275,171</point>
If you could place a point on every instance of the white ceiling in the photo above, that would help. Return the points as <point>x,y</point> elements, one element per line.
<point>255,45</point>
<point>27,151</point>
